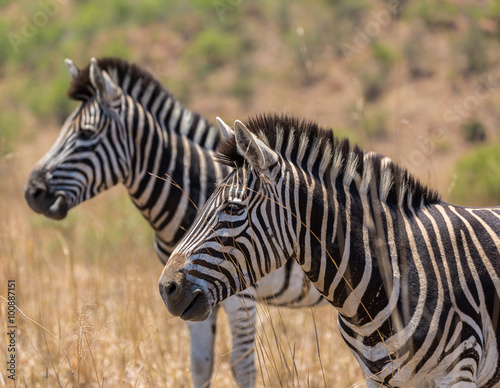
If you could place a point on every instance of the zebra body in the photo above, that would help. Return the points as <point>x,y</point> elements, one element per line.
<point>128,129</point>
<point>415,280</point>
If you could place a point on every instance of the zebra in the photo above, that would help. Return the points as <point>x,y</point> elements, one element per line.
<point>128,129</point>
<point>415,280</point>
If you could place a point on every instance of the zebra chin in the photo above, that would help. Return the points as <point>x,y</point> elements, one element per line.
<point>58,210</point>
<point>198,310</point>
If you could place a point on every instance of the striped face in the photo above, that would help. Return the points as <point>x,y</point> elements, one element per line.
<point>234,241</point>
<point>88,157</point>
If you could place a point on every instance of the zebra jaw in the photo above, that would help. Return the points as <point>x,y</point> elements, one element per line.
<point>58,210</point>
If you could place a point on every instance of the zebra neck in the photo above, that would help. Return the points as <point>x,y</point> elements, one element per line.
<point>174,118</point>
<point>342,255</point>
<point>170,176</point>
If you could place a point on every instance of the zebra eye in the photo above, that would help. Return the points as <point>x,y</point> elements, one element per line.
<point>234,209</point>
<point>86,134</point>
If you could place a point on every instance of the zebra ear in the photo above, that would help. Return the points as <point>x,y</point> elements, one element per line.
<point>72,69</point>
<point>225,129</point>
<point>107,90</point>
<point>258,154</point>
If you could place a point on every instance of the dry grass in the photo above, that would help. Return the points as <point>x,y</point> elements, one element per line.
<point>94,317</point>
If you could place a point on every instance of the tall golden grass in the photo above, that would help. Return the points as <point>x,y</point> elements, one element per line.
<point>90,314</point>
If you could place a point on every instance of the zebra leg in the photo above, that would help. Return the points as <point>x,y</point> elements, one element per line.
<point>202,335</point>
<point>242,315</point>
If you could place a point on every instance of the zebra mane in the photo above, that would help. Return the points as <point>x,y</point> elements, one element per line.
<point>316,149</point>
<point>146,90</point>
<point>125,74</point>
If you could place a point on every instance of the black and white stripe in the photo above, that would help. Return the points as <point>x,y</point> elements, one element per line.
<point>129,129</point>
<point>416,280</point>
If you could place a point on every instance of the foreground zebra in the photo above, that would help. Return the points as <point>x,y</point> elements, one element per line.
<point>126,128</point>
<point>415,280</point>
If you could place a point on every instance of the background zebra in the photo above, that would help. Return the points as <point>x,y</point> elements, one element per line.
<point>415,280</point>
<point>126,128</point>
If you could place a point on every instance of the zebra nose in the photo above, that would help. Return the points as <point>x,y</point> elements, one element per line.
<point>172,279</point>
<point>36,193</point>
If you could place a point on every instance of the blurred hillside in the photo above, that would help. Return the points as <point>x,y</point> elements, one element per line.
<point>416,80</point>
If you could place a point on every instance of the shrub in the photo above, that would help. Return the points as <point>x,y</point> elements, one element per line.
<point>473,46</point>
<point>306,47</point>
<point>242,88</point>
<point>5,45</point>
<point>151,10</point>
<point>210,50</point>
<point>384,54</point>
<point>89,18</point>
<point>116,47</point>
<point>493,12</point>
<point>375,123</point>
<point>348,10</point>
<point>373,86</point>
<point>477,177</point>
<point>436,14</point>
<point>474,131</point>
<point>417,58</point>
<point>375,74</point>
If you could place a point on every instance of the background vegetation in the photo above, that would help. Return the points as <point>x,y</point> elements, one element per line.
<point>418,83</point>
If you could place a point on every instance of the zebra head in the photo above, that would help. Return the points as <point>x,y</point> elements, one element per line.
<point>235,240</point>
<point>72,170</point>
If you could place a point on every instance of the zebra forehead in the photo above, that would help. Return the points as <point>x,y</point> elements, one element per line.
<point>125,74</point>
<point>305,142</point>
<point>234,180</point>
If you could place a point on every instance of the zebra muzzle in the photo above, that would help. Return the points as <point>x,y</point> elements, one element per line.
<point>181,297</point>
<point>190,303</point>
<point>41,200</point>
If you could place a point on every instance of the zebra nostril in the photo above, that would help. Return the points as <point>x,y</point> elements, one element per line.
<point>172,290</point>
<point>38,193</point>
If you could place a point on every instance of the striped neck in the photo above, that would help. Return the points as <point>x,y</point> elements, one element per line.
<point>334,219</point>
<point>170,175</point>
<point>349,205</point>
